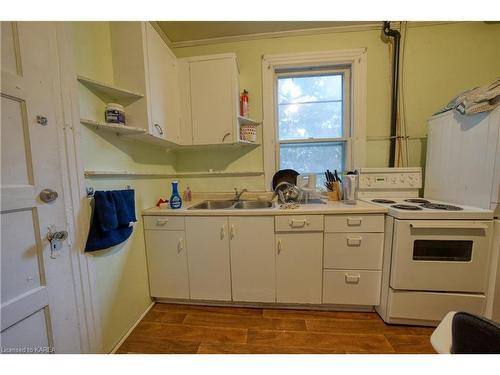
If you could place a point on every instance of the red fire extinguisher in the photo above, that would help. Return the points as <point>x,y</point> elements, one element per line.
<point>244,104</point>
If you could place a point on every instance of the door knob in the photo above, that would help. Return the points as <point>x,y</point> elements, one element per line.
<point>48,195</point>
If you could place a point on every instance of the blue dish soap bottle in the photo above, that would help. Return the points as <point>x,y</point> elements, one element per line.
<point>175,198</point>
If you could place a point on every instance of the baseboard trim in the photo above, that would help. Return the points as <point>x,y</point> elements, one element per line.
<point>122,340</point>
<point>269,305</point>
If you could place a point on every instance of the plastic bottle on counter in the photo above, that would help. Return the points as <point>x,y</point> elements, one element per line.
<point>175,198</point>
<point>187,194</point>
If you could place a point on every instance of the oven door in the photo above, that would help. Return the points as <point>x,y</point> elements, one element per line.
<point>441,255</point>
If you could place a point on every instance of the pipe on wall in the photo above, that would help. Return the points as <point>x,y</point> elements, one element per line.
<point>391,33</point>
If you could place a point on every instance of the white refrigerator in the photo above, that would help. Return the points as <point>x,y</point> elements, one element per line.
<point>463,166</point>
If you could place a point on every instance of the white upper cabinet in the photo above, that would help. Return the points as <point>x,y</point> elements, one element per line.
<point>210,99</point>
<point>163,88</point>
<point>143,62</point>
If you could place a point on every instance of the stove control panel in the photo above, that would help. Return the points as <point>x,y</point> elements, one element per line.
<point>389,178</point>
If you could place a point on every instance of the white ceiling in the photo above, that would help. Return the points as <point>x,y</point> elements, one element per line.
<point>185,31</point>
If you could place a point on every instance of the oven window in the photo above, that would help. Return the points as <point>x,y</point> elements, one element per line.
<point>438,250</point>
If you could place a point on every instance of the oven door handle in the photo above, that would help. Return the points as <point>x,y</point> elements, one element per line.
<point>449,225</point>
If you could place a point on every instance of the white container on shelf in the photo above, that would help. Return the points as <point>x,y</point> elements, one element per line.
<point>114,114</point>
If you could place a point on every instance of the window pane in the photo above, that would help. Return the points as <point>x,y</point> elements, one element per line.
<point>309,89</point>
<point>314,120</point>
<point>310,107</point>
<point>313,158</point>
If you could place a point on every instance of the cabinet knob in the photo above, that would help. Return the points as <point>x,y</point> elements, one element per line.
<point>161,222</point>
<point>280,246</point>
<point>180,245</point>
<point>354,221</point>
<point>232,232</point>
<point>352,279</point>
<point>354,241</point>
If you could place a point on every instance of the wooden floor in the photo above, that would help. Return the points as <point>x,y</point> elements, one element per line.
<point>169,328</point>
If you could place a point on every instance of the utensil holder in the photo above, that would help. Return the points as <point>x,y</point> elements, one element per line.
<point>333,195</point>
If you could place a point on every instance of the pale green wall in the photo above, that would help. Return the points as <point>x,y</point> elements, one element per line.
<point>440,61</point>
<point>121,272</point>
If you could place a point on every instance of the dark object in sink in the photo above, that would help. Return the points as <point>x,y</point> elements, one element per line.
<point>285,175</point>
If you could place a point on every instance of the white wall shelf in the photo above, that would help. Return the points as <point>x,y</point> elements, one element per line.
<point>247,121</point>
<point>109,93</point>
<point>97,174</point>
<point>118,129</point>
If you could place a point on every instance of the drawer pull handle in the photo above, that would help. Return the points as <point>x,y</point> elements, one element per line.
<point>351,279</point>
<point>161,222</point>
<point>294,223</point>
<point>354,221</point>
<point>280,246</point>
<point>354,241</point>
<point>180,245</point>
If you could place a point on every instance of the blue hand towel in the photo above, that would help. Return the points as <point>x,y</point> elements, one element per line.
<point>125,207</point>
<point>105,211</point>
<point>113,212</point>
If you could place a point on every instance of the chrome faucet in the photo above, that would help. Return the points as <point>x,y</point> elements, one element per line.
<point>237,195</point>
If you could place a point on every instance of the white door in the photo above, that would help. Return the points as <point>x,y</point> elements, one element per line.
<point>253,271</point>
<point>207,243</point>
<point>167,263</point>
<point>299,267</point>
<point>38,306</point>
<point>213,90</point>
<point>163,87</point>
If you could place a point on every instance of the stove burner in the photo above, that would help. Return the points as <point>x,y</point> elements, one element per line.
<point>382,201</point>
<point>445,207</point>
<point>406,207</point>
<point>417,200</point>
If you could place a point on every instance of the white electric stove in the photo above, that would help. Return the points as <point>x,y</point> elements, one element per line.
<point>430,209</point>
<point>436,254</point>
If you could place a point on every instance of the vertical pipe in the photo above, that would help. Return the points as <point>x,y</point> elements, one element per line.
<point>395,82</point>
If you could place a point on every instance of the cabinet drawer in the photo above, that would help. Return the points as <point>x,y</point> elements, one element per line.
<point>353,250</point>
<point>408,305</point>
<point>164,222</point>
<point>298,223</point>
<point>351,287</point>
<point>354,223</point>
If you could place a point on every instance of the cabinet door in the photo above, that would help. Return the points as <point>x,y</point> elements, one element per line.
<point>252,259</point>
<point>163,88</point>
<point>207,239</point>
<point>167,264</point>
<point>213,90</point>
<point>299,258</point>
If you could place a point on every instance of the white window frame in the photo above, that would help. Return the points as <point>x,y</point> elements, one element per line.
<point>356,137</point>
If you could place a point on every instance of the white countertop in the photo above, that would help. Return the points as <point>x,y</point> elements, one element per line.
<point>331,207</point>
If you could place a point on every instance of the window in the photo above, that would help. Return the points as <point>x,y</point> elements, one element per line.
<point>314,106</point>
<point>313,122</point>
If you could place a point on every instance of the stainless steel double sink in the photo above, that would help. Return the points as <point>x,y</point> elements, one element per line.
<point>221,205</point>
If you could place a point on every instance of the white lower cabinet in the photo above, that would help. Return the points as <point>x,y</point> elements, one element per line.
<point>299,267</point>
<point>207,239</point>
<point>353,259</point>
<point>351,287</point>
<point>264,259</point>
<point>167,263</point>
<point>253,271</point>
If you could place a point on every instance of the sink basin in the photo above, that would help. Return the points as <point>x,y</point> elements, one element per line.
<point>253,204</point>
<point>212,205</point>
<point>221,205</point>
